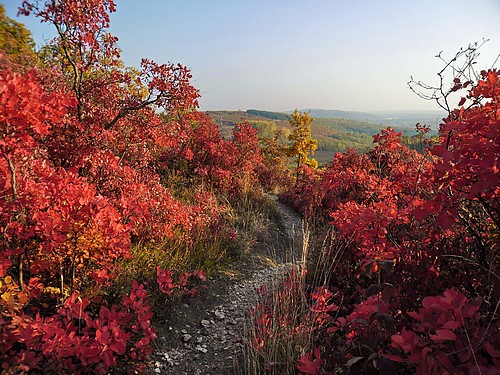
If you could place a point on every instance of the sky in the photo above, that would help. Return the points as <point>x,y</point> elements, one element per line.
<point>278,55</point>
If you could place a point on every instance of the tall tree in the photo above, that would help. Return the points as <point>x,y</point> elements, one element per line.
<point>302,142</point>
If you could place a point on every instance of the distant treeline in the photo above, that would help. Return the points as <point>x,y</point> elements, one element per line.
<point>333,134</point>
<point>268,114</point>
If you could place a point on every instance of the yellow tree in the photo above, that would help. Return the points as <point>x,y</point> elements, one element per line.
<point>302,142</point>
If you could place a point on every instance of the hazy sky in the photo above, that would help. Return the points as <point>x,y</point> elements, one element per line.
<point>284,54</point>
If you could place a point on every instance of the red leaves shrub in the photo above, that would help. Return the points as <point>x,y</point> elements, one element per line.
<point>448,336</point>
<point>86,165</point>
<point>51,217</point>
<point>28,113</point>
<point>466,177</point>
<point>424,224</point>
<point>202,155</point>
<point>73,341</point>
<point>81,143</point>
<point>249,156</point>
<point>468,151</point>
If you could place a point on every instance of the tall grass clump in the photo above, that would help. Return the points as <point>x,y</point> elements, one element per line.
<point>284,323</point>
<point>275,333</point>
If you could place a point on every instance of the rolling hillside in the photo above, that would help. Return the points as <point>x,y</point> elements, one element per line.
<point>399,119</point>
<point>334,134</point>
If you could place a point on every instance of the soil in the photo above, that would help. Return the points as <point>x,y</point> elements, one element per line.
<point>205,335</point>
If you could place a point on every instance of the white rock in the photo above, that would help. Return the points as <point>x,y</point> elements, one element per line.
<point>219,315</point>
<point>201,349</point>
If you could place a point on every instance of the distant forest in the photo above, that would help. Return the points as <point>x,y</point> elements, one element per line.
<point>333,134</point>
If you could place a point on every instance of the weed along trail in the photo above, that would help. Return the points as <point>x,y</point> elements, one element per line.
<point>205,335</point>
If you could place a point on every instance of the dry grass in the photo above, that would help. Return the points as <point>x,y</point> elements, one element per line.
<point>248,216</point>
<point>276,332</point>
<point>278,328</point>
<point>252,216</point>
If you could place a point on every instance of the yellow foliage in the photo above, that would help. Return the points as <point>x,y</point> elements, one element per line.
<point>302,142</point>
<point>12,299</point>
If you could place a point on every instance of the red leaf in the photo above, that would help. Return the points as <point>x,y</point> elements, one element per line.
<point>452,324</point>
<point>102,336</point>
<point>308,365</point>
<point>443,334</point>
<point>118,347</point>
<point>399,342</point>
<point>492,351</point>
<point>445,219</point>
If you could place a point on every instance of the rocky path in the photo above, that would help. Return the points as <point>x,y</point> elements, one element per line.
<point>205,334</point>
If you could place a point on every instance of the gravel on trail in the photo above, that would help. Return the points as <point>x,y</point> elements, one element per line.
<point>205,335</point>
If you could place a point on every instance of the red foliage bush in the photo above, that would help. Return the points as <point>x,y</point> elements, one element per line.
<point>72,341</point>
<point>426,226</point>
<point>85,163</point>
<point>204,156</point>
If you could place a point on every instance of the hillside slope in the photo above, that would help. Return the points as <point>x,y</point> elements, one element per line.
<point>333,134</point>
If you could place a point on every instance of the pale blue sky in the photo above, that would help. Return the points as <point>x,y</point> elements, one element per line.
<point>285,54</point>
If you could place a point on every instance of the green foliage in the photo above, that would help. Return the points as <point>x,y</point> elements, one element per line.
<point>269,129</point>
<point>347,125</point>
<point>341,142</point>
<point>340,134</point>
<point>265,128</point>
<point>332,134</point>
<point>15,40</point>
<point>267,114</point>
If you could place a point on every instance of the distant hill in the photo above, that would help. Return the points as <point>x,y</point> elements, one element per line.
<point>388,118</point>
<point>350,115</point>
<point>410,118</point>
<point>267,114</point>
<point>335,130</point>
<point>403,119</point>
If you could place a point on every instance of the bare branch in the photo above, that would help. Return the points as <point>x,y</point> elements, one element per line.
<point>463,71</point>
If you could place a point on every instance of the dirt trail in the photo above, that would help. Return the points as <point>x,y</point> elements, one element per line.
<point>205,334</point>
